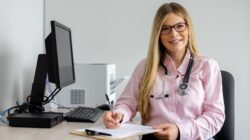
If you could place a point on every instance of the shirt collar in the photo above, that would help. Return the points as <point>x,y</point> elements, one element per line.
<point>181,70</point>
<point>183,67</point>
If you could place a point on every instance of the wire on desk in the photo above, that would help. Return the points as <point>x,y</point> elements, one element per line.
<point>1,118</point>
<point>60,105</point>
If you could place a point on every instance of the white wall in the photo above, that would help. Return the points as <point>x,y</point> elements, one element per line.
<point>21,39</point>
<point>116,31</point>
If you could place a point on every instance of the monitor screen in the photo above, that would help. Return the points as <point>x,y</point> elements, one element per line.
<point>60,55</point>
<point>57,63</point>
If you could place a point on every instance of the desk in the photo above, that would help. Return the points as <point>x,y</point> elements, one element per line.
<point>58,132</point>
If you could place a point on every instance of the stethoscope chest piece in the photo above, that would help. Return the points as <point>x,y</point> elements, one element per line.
<point>183,89</point>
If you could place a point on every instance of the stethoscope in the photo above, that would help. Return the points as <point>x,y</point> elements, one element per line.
<point>183,87</point>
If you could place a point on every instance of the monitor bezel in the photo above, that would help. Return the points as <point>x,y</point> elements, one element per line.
<point>54,75</point>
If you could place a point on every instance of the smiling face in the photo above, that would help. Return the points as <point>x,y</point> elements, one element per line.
<point>174,35</point>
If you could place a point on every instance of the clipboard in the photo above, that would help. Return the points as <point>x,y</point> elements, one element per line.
<point>124,131</point>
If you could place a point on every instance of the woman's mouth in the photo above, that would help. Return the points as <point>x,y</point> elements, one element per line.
<point>176,41</point>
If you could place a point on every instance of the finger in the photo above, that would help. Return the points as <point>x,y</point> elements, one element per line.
<point>108,120</point>
<point>118,117</point>
<point>162,126</point>
<point>109,116</point>
<point>115,122</point>
<point>112,125</point>
<point>161,133</point>
<point>163,130</point>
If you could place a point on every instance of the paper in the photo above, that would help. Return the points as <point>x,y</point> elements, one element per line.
<point>125,130</point>
<point>117,82</point>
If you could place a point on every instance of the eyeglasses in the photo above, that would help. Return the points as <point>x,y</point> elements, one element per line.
<point>179,27</point>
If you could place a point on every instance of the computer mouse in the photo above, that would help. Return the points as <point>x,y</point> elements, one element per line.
<point>103,107</point>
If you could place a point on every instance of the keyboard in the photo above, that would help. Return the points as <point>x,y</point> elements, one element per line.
<point>83,114</point>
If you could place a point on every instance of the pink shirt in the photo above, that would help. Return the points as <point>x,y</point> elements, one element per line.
<point>198,115</point>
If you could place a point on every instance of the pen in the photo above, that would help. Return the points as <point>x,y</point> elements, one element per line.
<point>111,107</point>
<point>94,133</point>
<point>110,103</point>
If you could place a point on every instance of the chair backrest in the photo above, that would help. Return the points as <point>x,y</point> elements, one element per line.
<point>227,130</point>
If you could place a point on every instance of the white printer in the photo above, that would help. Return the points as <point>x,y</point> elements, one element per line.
<point>93,81</point>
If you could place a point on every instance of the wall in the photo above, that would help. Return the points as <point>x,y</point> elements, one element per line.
<point>115,31</point>
<point>21,39</point>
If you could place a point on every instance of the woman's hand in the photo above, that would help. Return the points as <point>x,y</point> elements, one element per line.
<point>168,132</point>
<point>111,120</point>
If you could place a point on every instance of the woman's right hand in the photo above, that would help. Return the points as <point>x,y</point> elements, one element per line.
<point>111,120</point>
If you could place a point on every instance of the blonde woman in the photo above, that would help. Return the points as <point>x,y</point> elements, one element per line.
<point>174,89</point>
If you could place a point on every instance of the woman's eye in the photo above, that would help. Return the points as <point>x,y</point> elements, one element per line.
<point>180,26</point>
<point>165,28</point>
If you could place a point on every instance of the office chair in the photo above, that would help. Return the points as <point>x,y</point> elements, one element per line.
<point>227,130</point>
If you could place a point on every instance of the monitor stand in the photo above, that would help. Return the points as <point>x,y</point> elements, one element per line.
<point>35,116</point>
<point>38,87</point>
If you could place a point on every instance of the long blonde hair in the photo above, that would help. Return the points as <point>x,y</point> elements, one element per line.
<point>156,51</point>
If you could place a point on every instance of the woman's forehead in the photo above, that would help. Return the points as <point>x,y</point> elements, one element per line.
<point>172,19</point>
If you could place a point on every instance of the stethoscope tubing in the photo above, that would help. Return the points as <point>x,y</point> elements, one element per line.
<point>183,87</point>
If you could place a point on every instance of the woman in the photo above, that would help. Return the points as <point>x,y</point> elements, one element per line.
<point>174,88</point>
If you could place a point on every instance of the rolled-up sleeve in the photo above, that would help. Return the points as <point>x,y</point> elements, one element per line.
<point>127,102</point>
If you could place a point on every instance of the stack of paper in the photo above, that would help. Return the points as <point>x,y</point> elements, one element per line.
<point>124,131</point>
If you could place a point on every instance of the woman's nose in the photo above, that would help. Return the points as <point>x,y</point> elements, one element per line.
<point>173,32</point>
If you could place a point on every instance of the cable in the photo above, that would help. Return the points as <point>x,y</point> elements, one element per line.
<point>3,121</point>
<point>27,106</point>
<point>61,106</point>
<point>2,115</point>
<point>52,95</point>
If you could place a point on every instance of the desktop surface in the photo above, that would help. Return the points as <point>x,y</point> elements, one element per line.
<point>60,131</point>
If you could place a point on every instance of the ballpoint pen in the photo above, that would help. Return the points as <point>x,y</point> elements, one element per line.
<point>111,107</point>
<point>95,133</point>
<point>110,104</point>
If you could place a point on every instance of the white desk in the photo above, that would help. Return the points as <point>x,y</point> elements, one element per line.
<point>58,132</point>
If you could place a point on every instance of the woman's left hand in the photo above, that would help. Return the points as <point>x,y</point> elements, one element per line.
<point>168,132</point>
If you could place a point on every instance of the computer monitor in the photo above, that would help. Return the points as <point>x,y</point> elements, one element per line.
<point>60,55</point>
<point>57,63</point>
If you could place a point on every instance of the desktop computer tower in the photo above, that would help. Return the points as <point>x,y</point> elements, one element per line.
<point>93,81</point>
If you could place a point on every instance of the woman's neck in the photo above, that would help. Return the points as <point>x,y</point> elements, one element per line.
<point>178,57</point>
